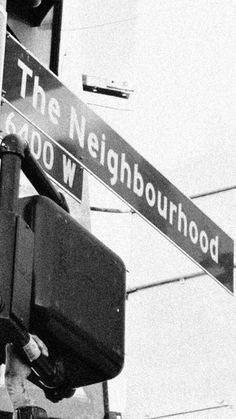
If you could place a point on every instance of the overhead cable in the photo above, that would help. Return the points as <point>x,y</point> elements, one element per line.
<point>187,412</point>
<point>201,195</point>
<point>166,281</point>
<point>99,25</point>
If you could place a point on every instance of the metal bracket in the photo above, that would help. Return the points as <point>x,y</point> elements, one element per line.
<point>16,155</point>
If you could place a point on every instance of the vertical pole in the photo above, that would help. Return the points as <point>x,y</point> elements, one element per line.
<point>12,153</point>
<point>9,182</point>
<point>56,36</point>
<point>3,26</point>
<point>105,399</point>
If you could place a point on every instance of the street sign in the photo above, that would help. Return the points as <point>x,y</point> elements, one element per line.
<point>37,93</point>
<point>61,167</point>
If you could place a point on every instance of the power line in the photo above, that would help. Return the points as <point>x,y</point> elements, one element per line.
<point>171,280</point>
<point>166,281</point>
<point>201,195</point>
<point>187,412</point>
<point>113,22</point>
<point>229,188</point>
<point>112,210</point>
<point>110,107</point>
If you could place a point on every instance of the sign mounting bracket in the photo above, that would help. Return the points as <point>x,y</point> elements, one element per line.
<point>12,145</point>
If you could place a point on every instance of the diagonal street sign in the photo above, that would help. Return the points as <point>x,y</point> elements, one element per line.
<point>39,95</point>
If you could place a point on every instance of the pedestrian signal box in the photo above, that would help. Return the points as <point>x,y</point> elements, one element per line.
<point>57,281</point>
<point>78,294</point>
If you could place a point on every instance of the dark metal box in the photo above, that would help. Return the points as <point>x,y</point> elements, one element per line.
<point>78,294</point>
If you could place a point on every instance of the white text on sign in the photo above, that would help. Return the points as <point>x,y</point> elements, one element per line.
<point>43,150</point>
<point>121,171</point>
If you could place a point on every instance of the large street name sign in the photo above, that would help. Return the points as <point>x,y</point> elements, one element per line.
<point>36,93</point>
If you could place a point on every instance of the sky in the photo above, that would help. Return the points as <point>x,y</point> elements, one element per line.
<point>180,56</point>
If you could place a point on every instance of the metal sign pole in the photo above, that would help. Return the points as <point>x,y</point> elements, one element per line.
<point>12,152</point>
<point>3,25</point>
